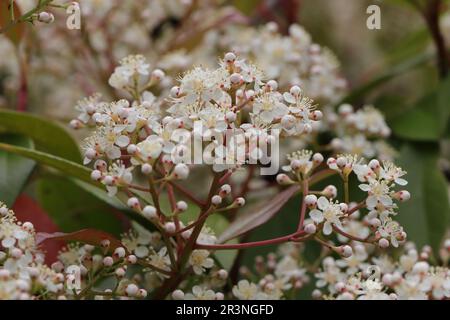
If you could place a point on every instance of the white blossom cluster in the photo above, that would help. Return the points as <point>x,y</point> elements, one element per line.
<point>362,132</point>
<point>280,274</point>
<point>378,180</point>
<point>292,59</point>
<point>367,276</point>
<point>24,274</point>
<point>136,134</point>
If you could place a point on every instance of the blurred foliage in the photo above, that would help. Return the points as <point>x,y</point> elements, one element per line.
<point>14,169</point>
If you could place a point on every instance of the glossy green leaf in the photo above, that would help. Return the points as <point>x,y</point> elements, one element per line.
<point>428,119</point>
<point>14,169</point>
<point>72,208</point>
<point>64,166</point>
<point>48,136</point>
<point>426,216</point>
<point>384,77</point>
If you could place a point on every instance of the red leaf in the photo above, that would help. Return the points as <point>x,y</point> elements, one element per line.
<point>27,209</point>
<point>254,218</point>
<point>15,32</point>
<point>88,236</point>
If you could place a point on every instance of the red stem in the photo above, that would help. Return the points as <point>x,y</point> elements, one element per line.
<point>250,244</point>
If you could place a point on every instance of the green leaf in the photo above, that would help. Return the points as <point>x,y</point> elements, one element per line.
<point>48,136</point>
<point>247,7</point>
<point>255,217</point>
<point>427,120</point>
<point>65,166</point>
<point>426,215</point>
<point>383,78</point>
<point>78,210</point>
<point>14,170</point>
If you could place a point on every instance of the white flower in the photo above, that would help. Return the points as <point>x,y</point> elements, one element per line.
<point>300,161</point>
<point>105,141</point>
<point>161,260</point>
<point>245,290</point>
<point>269,107</point>
<point>330,275</point>
<point>199,260</point>
<point>200,293</point>
<point>87,107</point>
<point>391,230</point>
<point>329,212</point>
<point>378,194</point>
<point>390,172</point>
<point>150,148</point>
<point>131,66</point>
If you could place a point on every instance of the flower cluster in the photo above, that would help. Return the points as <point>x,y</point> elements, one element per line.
<point>360,132</point>
<point>373,277</point>
<point>292,59</point>
<point>24,275</point>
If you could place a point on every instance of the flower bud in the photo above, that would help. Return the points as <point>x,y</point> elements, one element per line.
<point>346,251</point>
<point>310,228</point>
<point>345,109</point>
<point>119,252</point>
<point>132,149</point>
<point>142,293</point>
<point>223,274</point>
<point>220,296</point>
<point>133,203</point>
<point>175,92</point>
<point>90,153</point>
<point>132,259</point>
<point>236,78</point>
<point>383,243</point>
<point>149,212</point>
<point>181,171</point>
<point>178,295</point>
<point>216,200</point>
<point>330,192</point>
<point>316,115</point>
<point>230,116</point>
<point>120,272</point>
<point>108,261</point>
<point>170,227</point>
<point>317,158</point>
<point>131,290</point>
<point>186,234</point>
<point>45,17</point>
<point>182,206</point>
<point>75,124</point>
<point>311,200</point>
<point>272,85</point>
<point>158,74</point>
<point>240,202</point>
<point>402,196</point>
<point>374,164</point>
<point>96,175</point>
<point>230,57</point>
<point>146,168</point>
<point>295,91</point>
<point>421,267</point>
